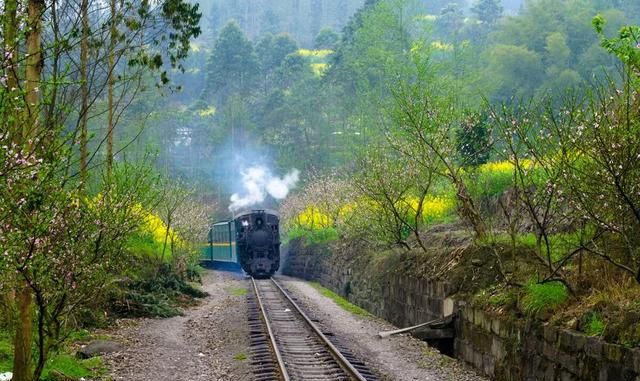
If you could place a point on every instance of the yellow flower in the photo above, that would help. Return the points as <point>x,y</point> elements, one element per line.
<point>209,111</point>
<point>433,207</point>
<point>313,217</point>
<point>321,53</point>
<point>318,68</point>
<point>502,167</point>
<point>441,46</point>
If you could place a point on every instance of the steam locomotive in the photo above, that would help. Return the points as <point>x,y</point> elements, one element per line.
<point>251,241</point>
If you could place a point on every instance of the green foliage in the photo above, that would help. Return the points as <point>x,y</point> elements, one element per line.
<point>473,141</point>
<point>6,352</point>
<point>491,180</point>
<point>340,301</point>
<point>240,356</point>
<point>144,245</point>
<point>232,67</point>
<point>326,39</point>
<point>595,325</point>
<point>487,11</point>
<point>60,363</point>
<point>240,291</point>
<point>313,236</point>
<point>71,367</point>
<point>152,294</point>
<point>541,297</point>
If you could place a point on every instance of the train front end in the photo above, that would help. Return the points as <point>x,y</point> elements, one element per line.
<point>258,242</point>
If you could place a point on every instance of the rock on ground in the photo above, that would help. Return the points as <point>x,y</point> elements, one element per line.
<point>395,358</point>
<point>199,346</point>
<point>98,347</point>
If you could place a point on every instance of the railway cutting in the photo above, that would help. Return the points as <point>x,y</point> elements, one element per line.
<point>287,345</point>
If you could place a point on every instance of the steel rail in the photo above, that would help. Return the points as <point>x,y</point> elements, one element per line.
<point>272,338</point>
<point>344,363</point>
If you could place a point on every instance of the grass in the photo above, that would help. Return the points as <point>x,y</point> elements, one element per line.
<point>62,363</point>
<point>240,291</point>
<point>560,243</point>
<point>240,356</point>
<point>541,297</point>
<point>6,352</point>
<point>339,300</point>
<point>72,367</point>
<point>595,326</point>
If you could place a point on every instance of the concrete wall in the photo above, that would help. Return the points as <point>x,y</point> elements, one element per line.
<point>501,348</point>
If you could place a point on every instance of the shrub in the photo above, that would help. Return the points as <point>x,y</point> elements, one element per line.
<point>313,236</point>
<point>541,297</point>
<point>595,325</point>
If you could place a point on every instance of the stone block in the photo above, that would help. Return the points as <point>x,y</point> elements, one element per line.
<point>571,341</point>
<point>634,359</point>
<point>593,347</point>
<point>488,365</point>
<point>550,351</point>
<point>612,352</point>
<point>550,334</point>
<point>566,376</point>
<point>466,314</point>
<point>602,375</point>
<point>615,372</point>
<point>486,323</point>
<point>550,372</point>
<point>478,359</point>
<point>495,326</point>
<point>568,362</point>
<point>448,305</point>
<point>478,317</point>
<point>498,349</point>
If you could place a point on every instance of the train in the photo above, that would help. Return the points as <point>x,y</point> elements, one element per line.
<point>250,241</point>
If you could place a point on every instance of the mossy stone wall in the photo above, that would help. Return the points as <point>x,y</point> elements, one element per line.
<point>501,348</point>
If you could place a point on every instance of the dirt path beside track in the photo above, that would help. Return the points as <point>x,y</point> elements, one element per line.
<point>208,343</point>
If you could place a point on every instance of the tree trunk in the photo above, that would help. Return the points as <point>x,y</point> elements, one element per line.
<point>34,69</point>
<point>84,90</point>
<point>110,111</point>
<point>10,49</point>
<point>24,329</point>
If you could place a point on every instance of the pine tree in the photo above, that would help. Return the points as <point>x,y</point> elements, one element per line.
<point>232,67</point>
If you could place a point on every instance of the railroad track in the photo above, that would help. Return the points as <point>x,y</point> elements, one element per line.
<point>288,346</point>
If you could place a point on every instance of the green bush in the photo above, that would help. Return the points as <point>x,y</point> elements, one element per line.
<point>540,297</point>
<point>313,236</point>
<point>152,295</point>
<point>6,352</point>
<point>595,325</point>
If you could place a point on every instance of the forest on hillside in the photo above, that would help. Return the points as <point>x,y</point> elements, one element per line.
<point>291,97</point>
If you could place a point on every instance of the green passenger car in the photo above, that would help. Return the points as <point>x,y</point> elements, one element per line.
<point>221,246</point>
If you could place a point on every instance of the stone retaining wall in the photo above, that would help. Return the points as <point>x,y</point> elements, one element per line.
<point>503,349</point>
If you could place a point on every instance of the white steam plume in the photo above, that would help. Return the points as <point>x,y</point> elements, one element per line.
<point>258,182</point>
